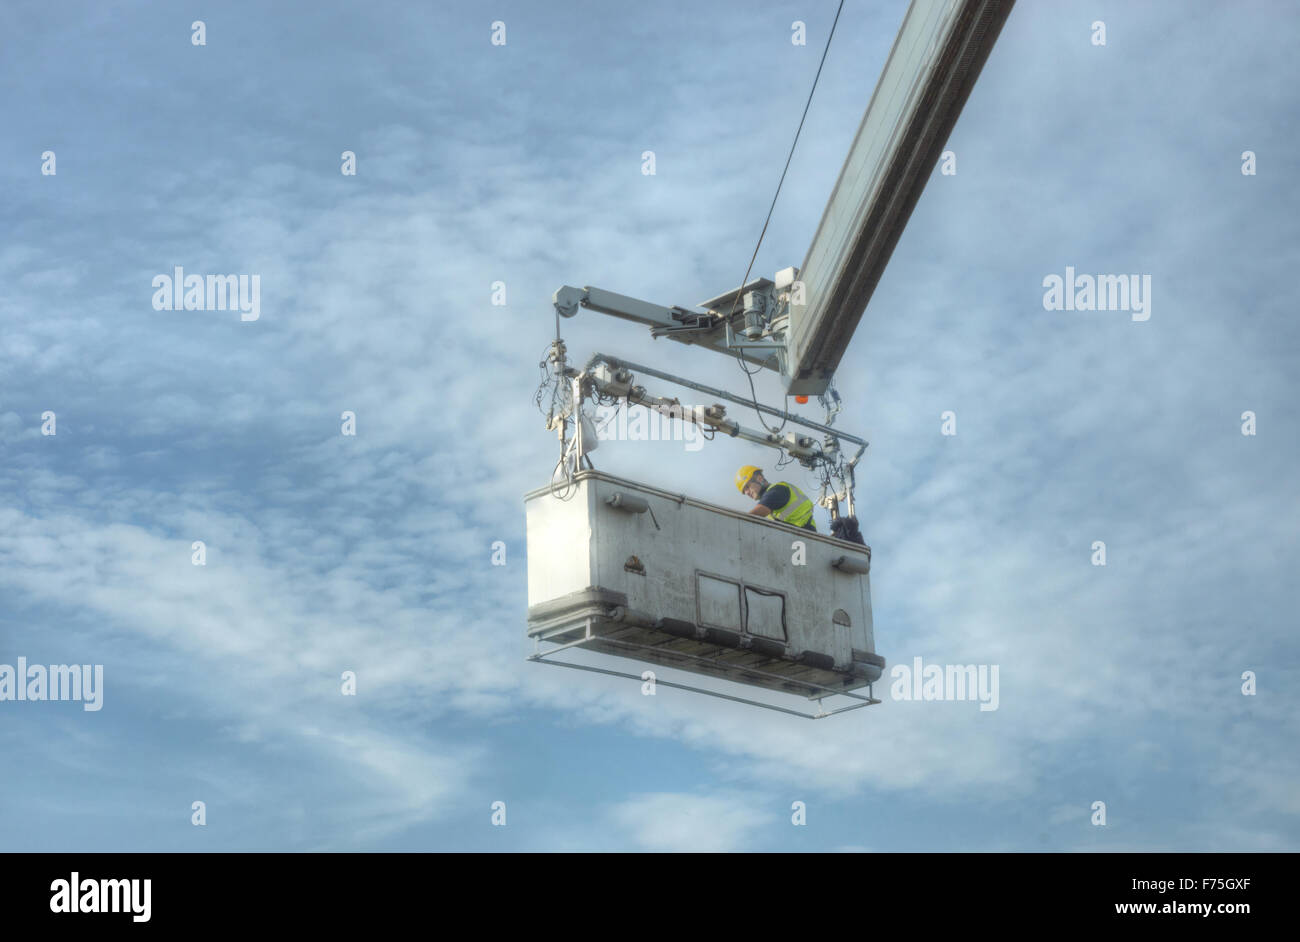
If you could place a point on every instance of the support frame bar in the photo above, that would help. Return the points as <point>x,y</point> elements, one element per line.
<point>540,657</point>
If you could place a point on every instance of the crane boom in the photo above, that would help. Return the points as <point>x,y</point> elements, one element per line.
<point>800,323</point>
<point>932,67</point>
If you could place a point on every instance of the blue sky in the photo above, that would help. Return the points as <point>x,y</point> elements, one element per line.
<point>522,163</point>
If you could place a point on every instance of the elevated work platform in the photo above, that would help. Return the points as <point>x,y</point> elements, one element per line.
<point>631,570</point>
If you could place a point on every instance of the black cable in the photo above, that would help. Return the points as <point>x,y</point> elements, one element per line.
<point>789,157</point>
<point>744,281</point>
<point>753,395</point>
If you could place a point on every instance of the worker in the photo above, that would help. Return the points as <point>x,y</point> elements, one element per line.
<point>781,501</point>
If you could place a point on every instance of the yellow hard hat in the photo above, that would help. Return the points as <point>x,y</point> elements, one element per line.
<point>744,474</point>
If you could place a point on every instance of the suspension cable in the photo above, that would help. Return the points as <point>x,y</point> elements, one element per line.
<point>745,280</point>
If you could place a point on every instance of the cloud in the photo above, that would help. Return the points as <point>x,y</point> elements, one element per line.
<point>674,822</point>
<point>373,553</point>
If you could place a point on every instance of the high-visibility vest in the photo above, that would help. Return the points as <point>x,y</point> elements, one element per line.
<point>798,510</point>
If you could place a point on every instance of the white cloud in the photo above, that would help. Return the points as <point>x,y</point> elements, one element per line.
<point>675,822</point>
<point>371,553</point>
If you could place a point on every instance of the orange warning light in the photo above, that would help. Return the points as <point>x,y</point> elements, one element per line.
<point>802,400</point>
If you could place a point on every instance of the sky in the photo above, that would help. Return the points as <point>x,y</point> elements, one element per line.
<point>521,164</point>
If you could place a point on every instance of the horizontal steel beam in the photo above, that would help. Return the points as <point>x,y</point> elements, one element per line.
<point>705,329</point>
<point>619,362</point>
